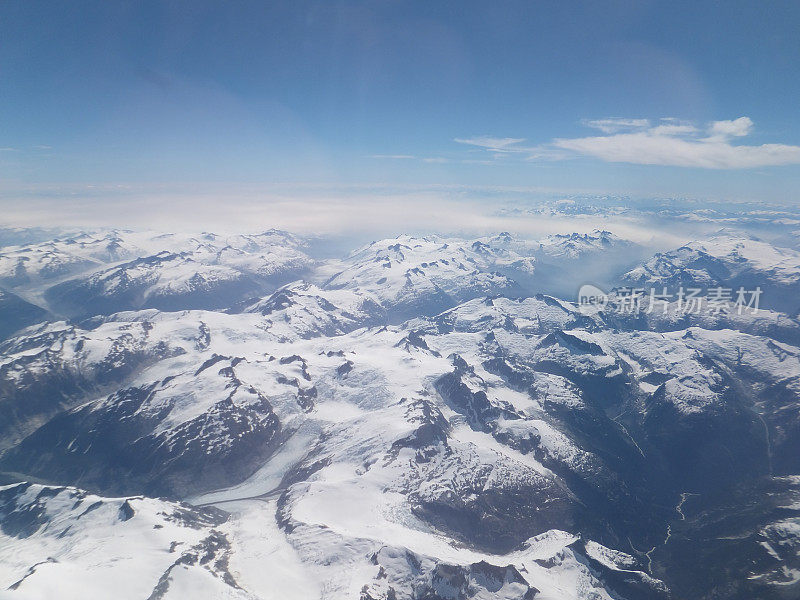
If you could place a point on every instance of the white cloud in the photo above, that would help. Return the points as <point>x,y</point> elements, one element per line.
<point>673,129</point>
<point>425,159</point>
<point>737,128</point>
<point>669,143</point>
<point>648,148</point>
<point>492,143</point>
<point>505,147</point>
<point>394,156</point>
<point>615,124</point>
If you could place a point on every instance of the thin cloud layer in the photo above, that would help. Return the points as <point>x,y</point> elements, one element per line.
<point>669,143</point>
<point>492,143</point>
<point>613,125</point>
<point>312,210</point>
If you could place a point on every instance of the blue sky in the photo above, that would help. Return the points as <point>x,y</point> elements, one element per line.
<point>650,98</point>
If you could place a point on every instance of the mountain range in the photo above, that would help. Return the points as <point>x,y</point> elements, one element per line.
<point>235,416</point>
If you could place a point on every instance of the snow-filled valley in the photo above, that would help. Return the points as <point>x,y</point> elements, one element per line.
<point>212,416</point>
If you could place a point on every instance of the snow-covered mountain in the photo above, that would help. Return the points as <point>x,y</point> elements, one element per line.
<point>304,310</point>
<point>101,547</point>
<point>577,246</point>
<point>411,276</point>
<point>415,426</point>
<point>106,272</point>
<point>565,261</point>
<point>25,265</point>
<point>729,260</point>
<point>422,276</point>
<point>214,274</point>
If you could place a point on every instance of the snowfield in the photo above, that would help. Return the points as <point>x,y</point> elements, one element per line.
<point>413,425</point>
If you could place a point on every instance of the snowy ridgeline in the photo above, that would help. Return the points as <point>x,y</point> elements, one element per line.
<point>227,417</point>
